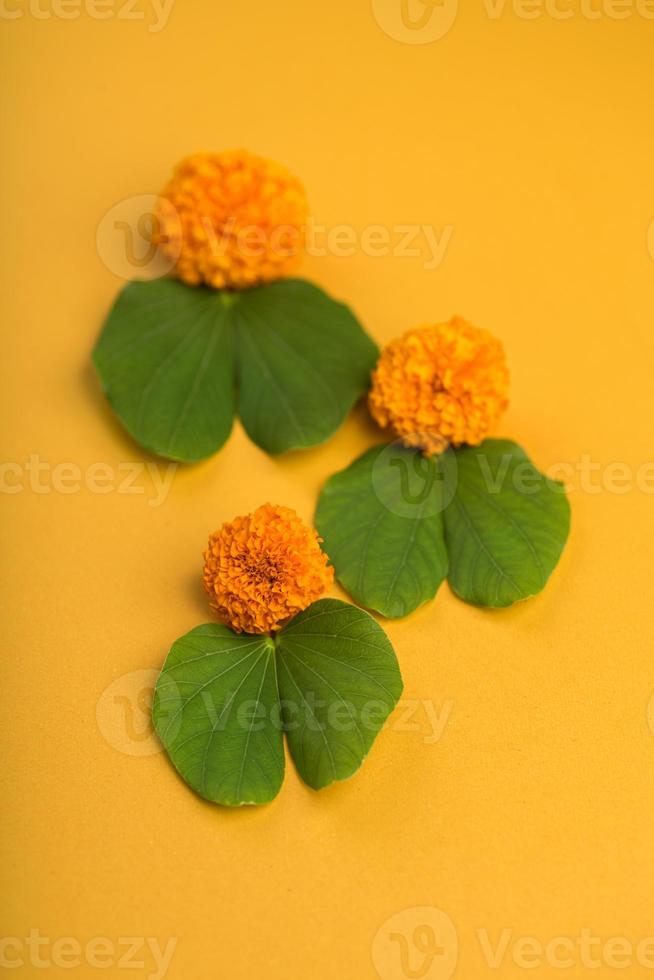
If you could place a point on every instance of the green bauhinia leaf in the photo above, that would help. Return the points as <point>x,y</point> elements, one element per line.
<point>166,361</point>
<point>382,528</point>
<point>505,526</point>
<point>339,680</point>
<point>170,355</point>
<point>303,362</point>
<point>330,678</point>
<point>216,711</point>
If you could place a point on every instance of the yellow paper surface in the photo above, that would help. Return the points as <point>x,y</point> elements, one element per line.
<point>512,795</point>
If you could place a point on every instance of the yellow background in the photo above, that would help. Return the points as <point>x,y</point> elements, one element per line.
<point>533,139</point>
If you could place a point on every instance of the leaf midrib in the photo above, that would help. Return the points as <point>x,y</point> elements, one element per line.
<point>218,331</point>
<point>273,381</point>
<point>303,361</point>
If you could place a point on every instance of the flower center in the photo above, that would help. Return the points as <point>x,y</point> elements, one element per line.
<point>261,569</point>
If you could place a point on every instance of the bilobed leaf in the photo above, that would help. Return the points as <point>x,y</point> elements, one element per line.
<point>216,711</point>
<point>338,680</point>
<point>329,678</point>
<point>505,526</point>
<point>381,523</point>
<point>166,361</point>
<point>169,358</point>
<point>303,361</point>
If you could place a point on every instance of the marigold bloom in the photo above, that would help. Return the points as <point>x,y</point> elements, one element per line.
<point>440,385</point>
<point>231,220</point>
<point>262,569</point>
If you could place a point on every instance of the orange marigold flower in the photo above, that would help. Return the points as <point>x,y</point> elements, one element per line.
<point>231,220</point>
<point>440,385</point>
<point>262,569</point>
